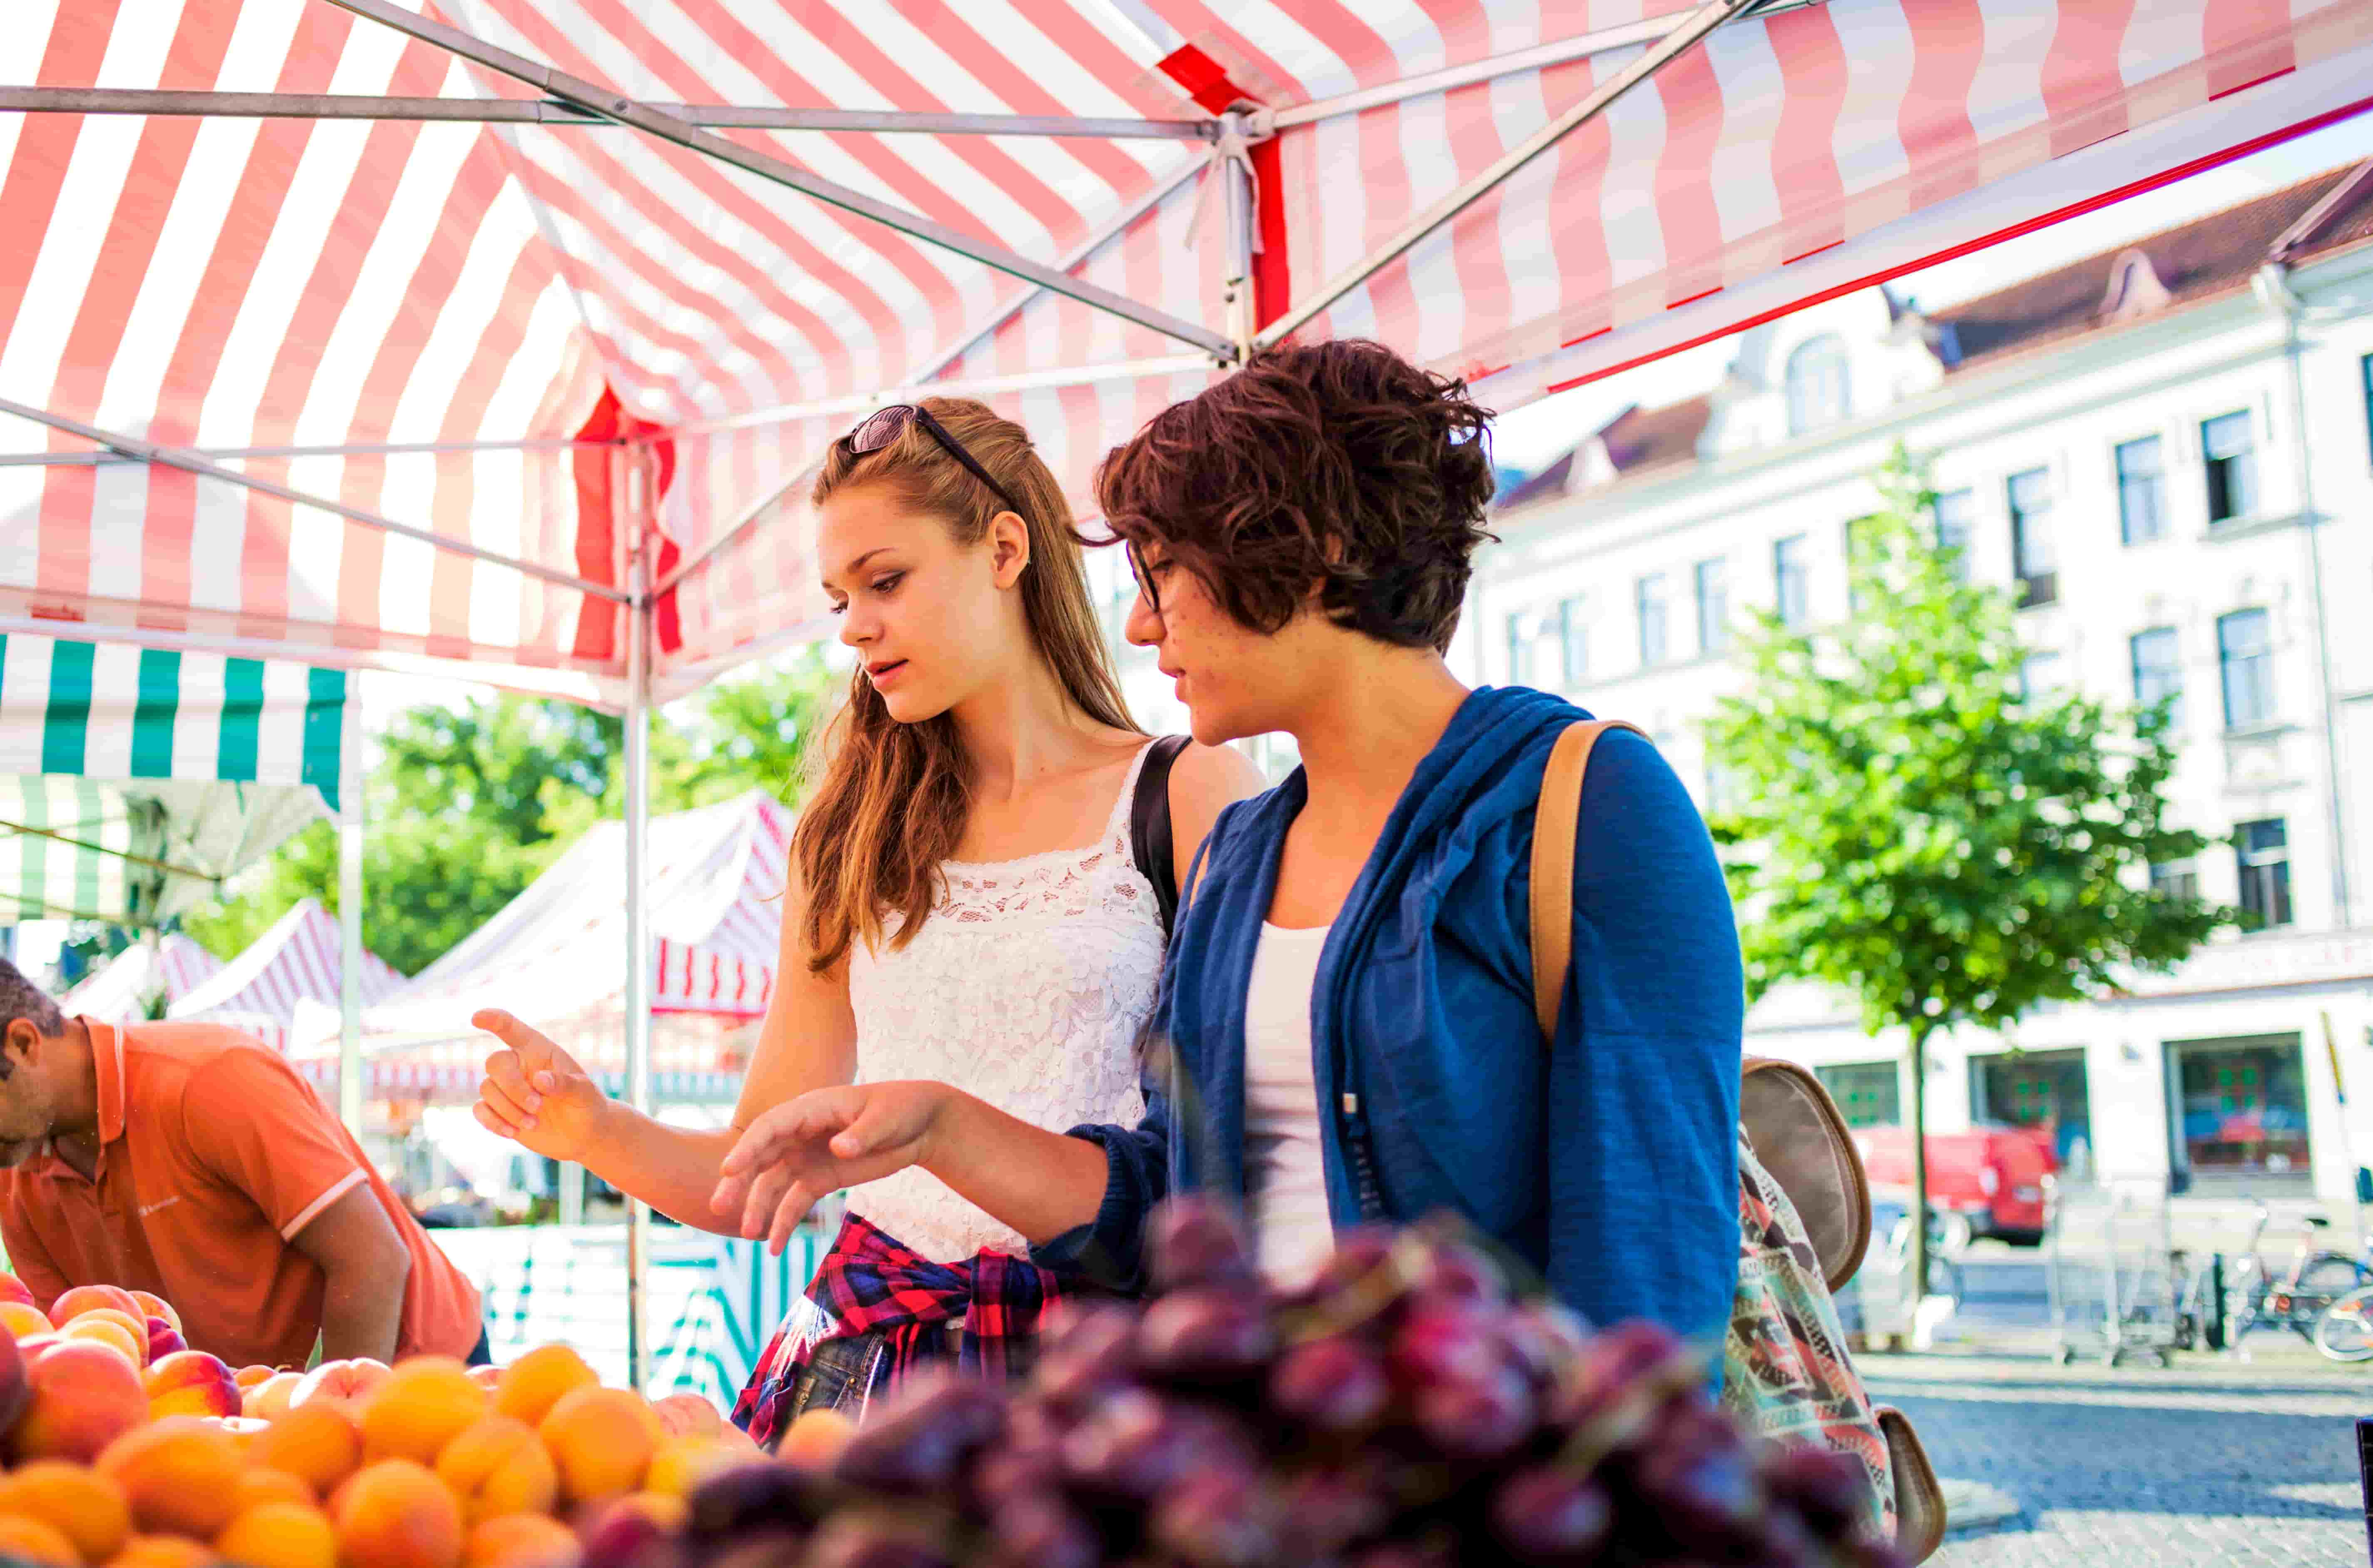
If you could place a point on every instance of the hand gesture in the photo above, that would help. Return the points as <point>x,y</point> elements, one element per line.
<point>534,1093</point>
<point>796,1153</point>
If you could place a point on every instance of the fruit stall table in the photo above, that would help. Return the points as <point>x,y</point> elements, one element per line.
<point>714,1301</point>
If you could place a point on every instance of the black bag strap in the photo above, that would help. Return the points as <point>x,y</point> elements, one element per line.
<point>1148,825</point>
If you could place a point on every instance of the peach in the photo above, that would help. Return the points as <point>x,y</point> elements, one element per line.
<point>180,1476</point>
<point>687,1415</point>
<point>248,1376</point>
<point>487,1377</point>
<point>498,1466</point>
<point>519,1540</point>
<point>351,1381</point>
<point>189,1383</point>
<point>30,1540</point>
<point>317,1444</point>
<point>280,1534</point>
<point>530,1386</point>
<point>84,1506</point>
<point>13,1288</point>
<point>396,1514</point>
<point>260,1485</point>
<point>602,1440</point>
<point>85,1298</point>
<point>666,1513</point>
<point>16,1384</point>
<point>682,1463</point>
<point>813,1442</point>
<point>158,1307</point>
<point>164,1339</point>
<point>23,1319</point>
<point>269,1400</point>
<point>131,1347</point>
<point>32,1346</point>
<point>423,1405</point>
<point>162,1551</point>
<point>84,1396</point>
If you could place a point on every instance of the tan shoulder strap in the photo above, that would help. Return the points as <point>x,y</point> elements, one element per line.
<point>1555,821</point>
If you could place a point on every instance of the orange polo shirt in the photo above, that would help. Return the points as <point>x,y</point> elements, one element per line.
<point>213,1155</point>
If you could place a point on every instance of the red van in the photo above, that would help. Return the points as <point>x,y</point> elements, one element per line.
<point>1992,1178</point>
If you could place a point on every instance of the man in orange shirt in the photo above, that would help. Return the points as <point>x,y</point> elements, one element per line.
<point>187,1160</point>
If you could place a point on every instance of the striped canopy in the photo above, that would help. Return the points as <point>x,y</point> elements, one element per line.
<point>415,353</point>
<point>716,885</point>
<point>133,782</point>
<point>298,960</point>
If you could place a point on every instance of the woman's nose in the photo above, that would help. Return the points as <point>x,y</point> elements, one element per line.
<point>1143,627</point>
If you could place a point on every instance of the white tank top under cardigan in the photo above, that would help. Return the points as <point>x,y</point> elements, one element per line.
<point>1285,1176</point>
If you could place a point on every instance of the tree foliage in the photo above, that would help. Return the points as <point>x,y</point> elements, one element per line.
<point>467,805</point>
<point>1911,827</point>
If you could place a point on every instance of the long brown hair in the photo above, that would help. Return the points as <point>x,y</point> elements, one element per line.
<point>890,800</point>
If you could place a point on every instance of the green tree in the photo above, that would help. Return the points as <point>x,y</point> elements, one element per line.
<point>1908,824</point>
<point>466,806</point>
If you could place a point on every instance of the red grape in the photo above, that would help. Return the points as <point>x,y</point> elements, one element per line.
<point>1335,1384</point>
<point>1203,1336</point>
<point>917,1445</point>
<point>1217,1519</point>
<point>1198,1244</point>
<point>1549,1514</point>
<point>1476,1418</point>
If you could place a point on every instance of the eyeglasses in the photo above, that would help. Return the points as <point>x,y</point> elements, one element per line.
<point>1144,575</point>
<point>880,428</point>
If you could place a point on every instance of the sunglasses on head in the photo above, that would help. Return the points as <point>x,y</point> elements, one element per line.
<point>885,426</point>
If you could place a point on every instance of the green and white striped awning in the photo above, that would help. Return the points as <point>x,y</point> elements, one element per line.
<point>135,781</point>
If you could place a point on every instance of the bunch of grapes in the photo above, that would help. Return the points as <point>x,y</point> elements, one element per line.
<point>1399,1411</point>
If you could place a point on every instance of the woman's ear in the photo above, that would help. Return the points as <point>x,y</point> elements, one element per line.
<point>1009,548</point>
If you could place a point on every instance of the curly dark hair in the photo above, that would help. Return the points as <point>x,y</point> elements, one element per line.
<point>1339,466</point>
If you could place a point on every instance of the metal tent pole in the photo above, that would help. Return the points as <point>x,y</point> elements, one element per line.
<point>350,911</point>
<point>638,956</point>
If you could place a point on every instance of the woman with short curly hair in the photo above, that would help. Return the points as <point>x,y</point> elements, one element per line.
<point>1348,997</point>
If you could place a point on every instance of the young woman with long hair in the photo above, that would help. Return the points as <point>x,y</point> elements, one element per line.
<point>964,903</point>
<point>1349,995</point>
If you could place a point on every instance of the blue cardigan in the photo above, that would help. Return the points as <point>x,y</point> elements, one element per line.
<point>1607,1162</point>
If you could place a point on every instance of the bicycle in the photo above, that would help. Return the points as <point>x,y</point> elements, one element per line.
<point>2257,1298</point>
<point>2344,1331</point>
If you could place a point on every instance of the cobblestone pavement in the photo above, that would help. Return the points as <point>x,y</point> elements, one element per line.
<point>2137,1467</point>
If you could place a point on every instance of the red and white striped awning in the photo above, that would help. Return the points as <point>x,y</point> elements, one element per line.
<point>584,313</point>
<point>716,883</point>
<point>293,964</point>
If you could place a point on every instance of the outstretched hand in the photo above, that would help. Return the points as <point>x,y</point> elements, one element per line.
<point>792,1157</point>
<point>534,1093</point>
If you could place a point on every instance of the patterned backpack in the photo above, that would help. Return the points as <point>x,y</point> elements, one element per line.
<point>1804,1218</point>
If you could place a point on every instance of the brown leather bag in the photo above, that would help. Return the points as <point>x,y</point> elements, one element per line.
<point>1789,1127</point>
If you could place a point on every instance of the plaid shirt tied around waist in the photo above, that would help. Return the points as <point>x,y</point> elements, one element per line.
<point>871,1285</point>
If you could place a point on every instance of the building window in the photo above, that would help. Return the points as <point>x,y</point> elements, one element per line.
<point>2231,453</point>
<point>1520,651</point>
<point>2030,538</point>
<point>2158,672</point>
<point>2263,851</point>
<point>1573,642</point>
<point>1816,384</point>
<point>2245,658</point>
<point>2243,1120</point>
<point>1869,1093</point>
<point>1652,640</point>
<point>1714,607</point>
<point>2038,673</point>
<point>1956,512</point>
<point>1791,582</point>
<point>2141,491</point>
<point>2176,881</point>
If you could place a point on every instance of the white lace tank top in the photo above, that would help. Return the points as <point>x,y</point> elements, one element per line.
<point>1026,988</point>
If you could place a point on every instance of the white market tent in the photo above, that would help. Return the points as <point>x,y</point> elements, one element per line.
<point>300,958</point>
<point>552,954</point>
<point>121,991</point>
<point>495,339</point>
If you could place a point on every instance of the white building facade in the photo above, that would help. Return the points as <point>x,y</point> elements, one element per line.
<point>2167,453</point>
